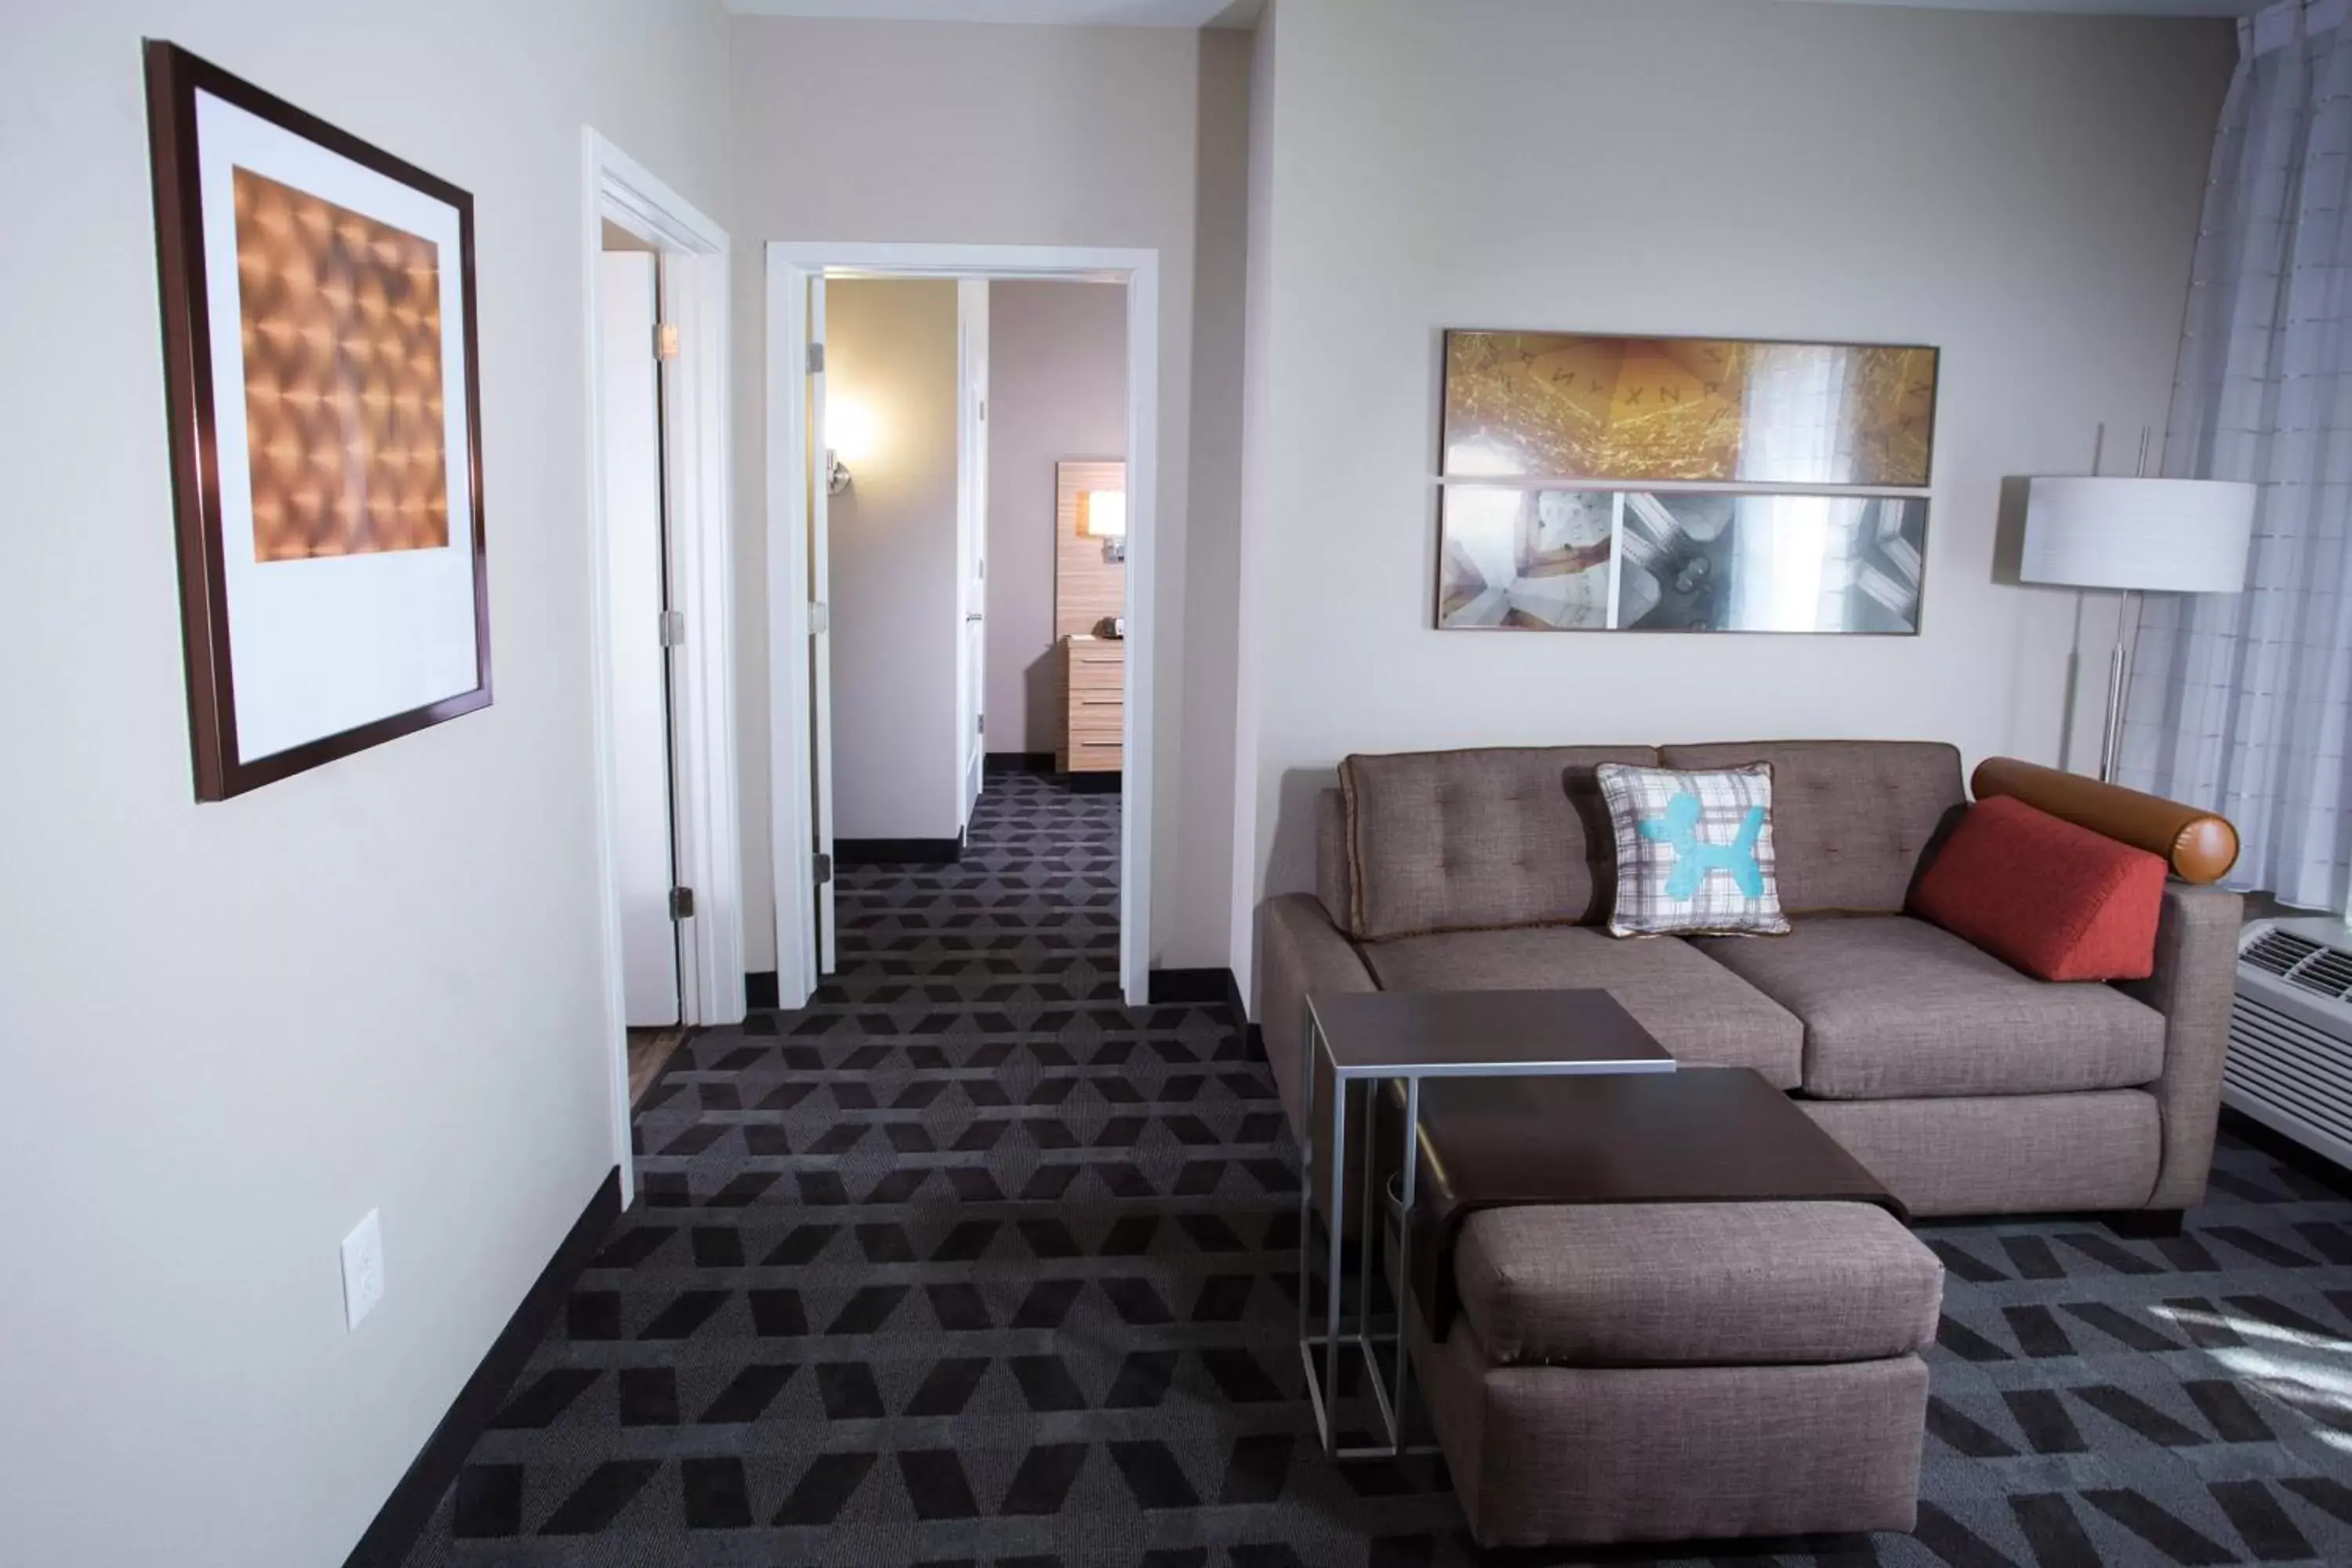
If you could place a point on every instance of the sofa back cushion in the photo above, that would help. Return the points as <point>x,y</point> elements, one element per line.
<point>1331,883</point>
<point>1851,819</point>
<point>1477,840</point>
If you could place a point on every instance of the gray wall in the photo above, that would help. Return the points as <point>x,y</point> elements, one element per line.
<point>231,1029</point>
<point>1058,389</point>
<point>955,132</point>
<point>890,348</point>
<point>2021,191</point>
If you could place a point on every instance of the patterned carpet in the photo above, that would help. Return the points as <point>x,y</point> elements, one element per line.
<point>971,1264</point>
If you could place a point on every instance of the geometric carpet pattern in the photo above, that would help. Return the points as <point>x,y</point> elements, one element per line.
<point>969,1263</point>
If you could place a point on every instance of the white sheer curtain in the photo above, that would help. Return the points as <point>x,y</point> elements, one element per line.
<point>2239,701</point>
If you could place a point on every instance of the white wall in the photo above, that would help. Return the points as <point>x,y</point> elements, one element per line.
<point>890,352</point>
<point>231,1029</point>
<point>949,132</point>
<point>1058,391</point>
<point>2021,191</point>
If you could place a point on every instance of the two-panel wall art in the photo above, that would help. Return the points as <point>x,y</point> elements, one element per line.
<point>1596,483</point>
<point>324,403</point>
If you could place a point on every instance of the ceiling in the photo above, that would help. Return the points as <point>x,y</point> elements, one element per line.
<point>1069,13</point>
<point>2086,7</point>
<point>1243,12</point>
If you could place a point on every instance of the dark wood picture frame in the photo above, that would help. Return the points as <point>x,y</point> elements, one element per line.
<point>174,77</point>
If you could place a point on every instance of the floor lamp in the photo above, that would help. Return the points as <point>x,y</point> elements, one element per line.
<point>2142,536</point>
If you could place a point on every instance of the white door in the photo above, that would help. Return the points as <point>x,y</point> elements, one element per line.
<point>820,634</point>
<point>972,537</point>
<point>641,738</point>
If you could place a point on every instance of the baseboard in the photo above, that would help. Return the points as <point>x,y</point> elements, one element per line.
<point>1095,782</point>
<point>997,764</point>
<point>759,991</point>
<point>898,852</point>
<point>406,1513</point>
<point>1170,985</point>
<point>2286,1151</point>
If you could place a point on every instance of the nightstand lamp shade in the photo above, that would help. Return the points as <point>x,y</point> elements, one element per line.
<point>2160,536</point>
<point>2142,536</point>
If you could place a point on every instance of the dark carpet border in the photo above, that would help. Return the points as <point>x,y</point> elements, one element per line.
<point>398,1524</point>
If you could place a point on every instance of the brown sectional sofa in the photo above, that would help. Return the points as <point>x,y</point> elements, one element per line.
<point>1964,1085</point>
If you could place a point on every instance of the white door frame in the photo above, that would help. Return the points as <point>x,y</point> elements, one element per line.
<point>694,285</point>
<point>791,266</point>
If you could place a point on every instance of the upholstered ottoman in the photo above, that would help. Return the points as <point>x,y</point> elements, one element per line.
<point>1647,1371</point>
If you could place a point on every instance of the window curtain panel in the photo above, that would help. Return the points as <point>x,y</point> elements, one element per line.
<point>2239,701</point>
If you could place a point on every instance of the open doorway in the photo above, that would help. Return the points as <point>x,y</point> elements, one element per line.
<point>643,628</point>
<point>842,565</point>
<point>655,278</point>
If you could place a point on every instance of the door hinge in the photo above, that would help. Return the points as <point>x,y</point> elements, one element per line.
<point>665,341</point>
<point>820,617</point>
<point>816,358</point>
<point>673,628</point>
<point>980,723</point>
<point>681,903</point>
<point>822,869</point>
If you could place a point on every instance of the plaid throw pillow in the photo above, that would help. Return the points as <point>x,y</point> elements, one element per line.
<point>1694,851</point>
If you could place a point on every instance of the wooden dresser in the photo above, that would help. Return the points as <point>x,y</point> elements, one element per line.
<point>1093,695</point>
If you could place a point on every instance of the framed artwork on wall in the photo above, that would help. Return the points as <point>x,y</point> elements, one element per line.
<point>1598,483</point>
<point>1679,560</point>
<point>323,395</point>
<point>1722,410</point>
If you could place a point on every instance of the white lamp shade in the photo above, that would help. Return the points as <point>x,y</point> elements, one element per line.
<point>1105,514</point>
<point>2163,536</point>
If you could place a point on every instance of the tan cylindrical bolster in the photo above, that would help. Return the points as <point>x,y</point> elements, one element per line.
<point>2201,846</point>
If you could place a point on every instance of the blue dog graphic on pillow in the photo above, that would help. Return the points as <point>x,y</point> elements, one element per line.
<point>1695,857</point>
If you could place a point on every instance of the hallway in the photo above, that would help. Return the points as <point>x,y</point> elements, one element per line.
<point>967,1262</point>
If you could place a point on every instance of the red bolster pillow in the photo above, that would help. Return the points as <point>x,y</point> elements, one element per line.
<point>2058,901</point>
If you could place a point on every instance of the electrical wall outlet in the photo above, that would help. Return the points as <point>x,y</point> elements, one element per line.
<point>362,1270</point>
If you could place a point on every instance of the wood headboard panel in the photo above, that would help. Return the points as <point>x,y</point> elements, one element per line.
<point>1087,589</point>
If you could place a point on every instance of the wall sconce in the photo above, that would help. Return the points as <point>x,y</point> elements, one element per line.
<point>1104,517</point>
<point>852,434</point>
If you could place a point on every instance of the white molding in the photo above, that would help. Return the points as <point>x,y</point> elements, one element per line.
<point>790,265</point>
<point>695,296</point>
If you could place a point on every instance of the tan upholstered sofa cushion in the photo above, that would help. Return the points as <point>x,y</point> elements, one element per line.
<point>1894,1008</point>
<point>1850,819</point>
<point>1699,1011</point>
<point>1695,1284</point>
<point>1475,840</point>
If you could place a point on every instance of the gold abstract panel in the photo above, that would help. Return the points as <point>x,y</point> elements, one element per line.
<point>1561,405</point>
<point>342,324</point>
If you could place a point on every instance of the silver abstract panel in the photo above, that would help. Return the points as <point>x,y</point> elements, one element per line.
<point>1681,561</point>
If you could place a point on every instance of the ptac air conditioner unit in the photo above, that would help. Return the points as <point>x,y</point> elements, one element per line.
<point>2290,1063</point>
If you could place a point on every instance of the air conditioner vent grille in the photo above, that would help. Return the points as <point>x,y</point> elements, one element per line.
<point>2277,952</point>
<point>2327,972</point>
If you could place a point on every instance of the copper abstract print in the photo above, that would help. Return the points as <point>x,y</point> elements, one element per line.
<point>341,320</point>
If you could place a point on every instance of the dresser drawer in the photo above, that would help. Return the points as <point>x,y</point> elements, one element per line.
<point>1097,667</point>
<point>1095,756</point>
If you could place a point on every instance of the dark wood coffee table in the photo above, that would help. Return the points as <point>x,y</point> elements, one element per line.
<point>1376,1037</point>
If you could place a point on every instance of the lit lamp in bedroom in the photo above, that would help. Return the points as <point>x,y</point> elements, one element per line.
<point>2142,536</point>
<point>1104,517</point>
